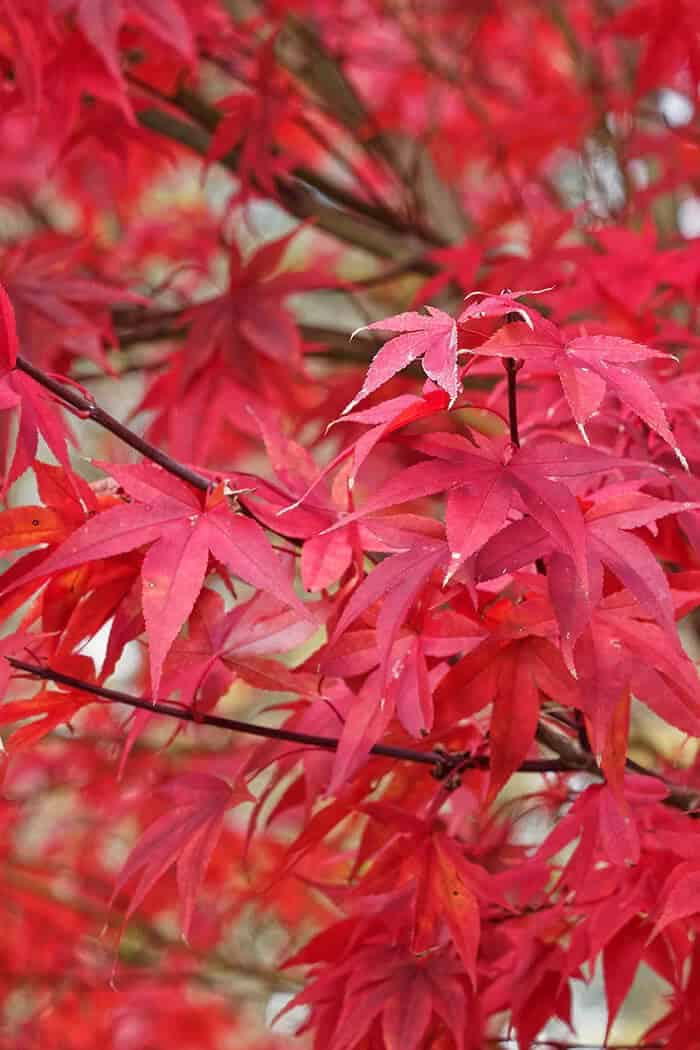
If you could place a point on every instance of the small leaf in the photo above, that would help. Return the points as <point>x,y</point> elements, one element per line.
<point>432,337</point>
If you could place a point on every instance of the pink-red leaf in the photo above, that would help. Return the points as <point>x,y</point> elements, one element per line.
<point>182,533</point>
<point>432,337</point>
<point>185,836</point>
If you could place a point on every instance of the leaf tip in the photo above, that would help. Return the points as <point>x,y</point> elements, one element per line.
<point>681,459</point>
<point>583,433</point>
<point>348,408</point>
<point>285,510</point>
<point>527,319</point>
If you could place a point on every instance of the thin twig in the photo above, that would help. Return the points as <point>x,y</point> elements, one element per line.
<point>89,409</point>
<point>512,366</point>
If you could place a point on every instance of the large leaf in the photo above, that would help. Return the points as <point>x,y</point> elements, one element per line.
<point>180,531</point>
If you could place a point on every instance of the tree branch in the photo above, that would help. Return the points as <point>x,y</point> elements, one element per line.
<point>300,198</point>
<point>88,408</point>
<point>443,762</point>
<point>570,758</point>
<point>372,225</point>
<point>575,758</point>
<point>152,328</point>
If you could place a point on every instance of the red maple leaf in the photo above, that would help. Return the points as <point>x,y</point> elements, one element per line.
<point>221,646</point>
<point>401,681</point>
<point>609,514</point>
<point>384,990</point>
<point>9,347</point>
<point>185,836</point>
<point>67,501</point>
<point>603,827</point>
<point>587,366</point>
<point>447,889</point>
<point>432,336</point>
<point>27,413</point>
<point>514,670</point>
<point>678,1027</point>
<point>256,119</point>
<point>484,484</point>
<point>60,309</point>
<point>671,31</point>
<point>180,530</point>
<point>101,22</point>
<point>243,349</point>
<point>620,653</point>
<point>30,406</point>
<point>459,263</point>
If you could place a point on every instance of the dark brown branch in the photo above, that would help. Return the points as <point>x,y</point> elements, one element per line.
<point>440,760</point>
<point>208,118</point>
<point>570,758</point>
<point>149,332</point>
<point>337,345</point>
<point>575,758</point>
<point>371,225</point>
<point>298,197</point>
<point>89,409</point>
<point>146,326</point>
<point>431,208</point>
<point>350,114</point>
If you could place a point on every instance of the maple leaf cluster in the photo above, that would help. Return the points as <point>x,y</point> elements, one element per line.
<point>350,524</point>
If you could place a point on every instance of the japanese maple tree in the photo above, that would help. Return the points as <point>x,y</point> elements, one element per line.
<point>350,524</point>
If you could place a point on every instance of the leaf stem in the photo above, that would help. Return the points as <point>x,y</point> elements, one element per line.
<point>511,366</point>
